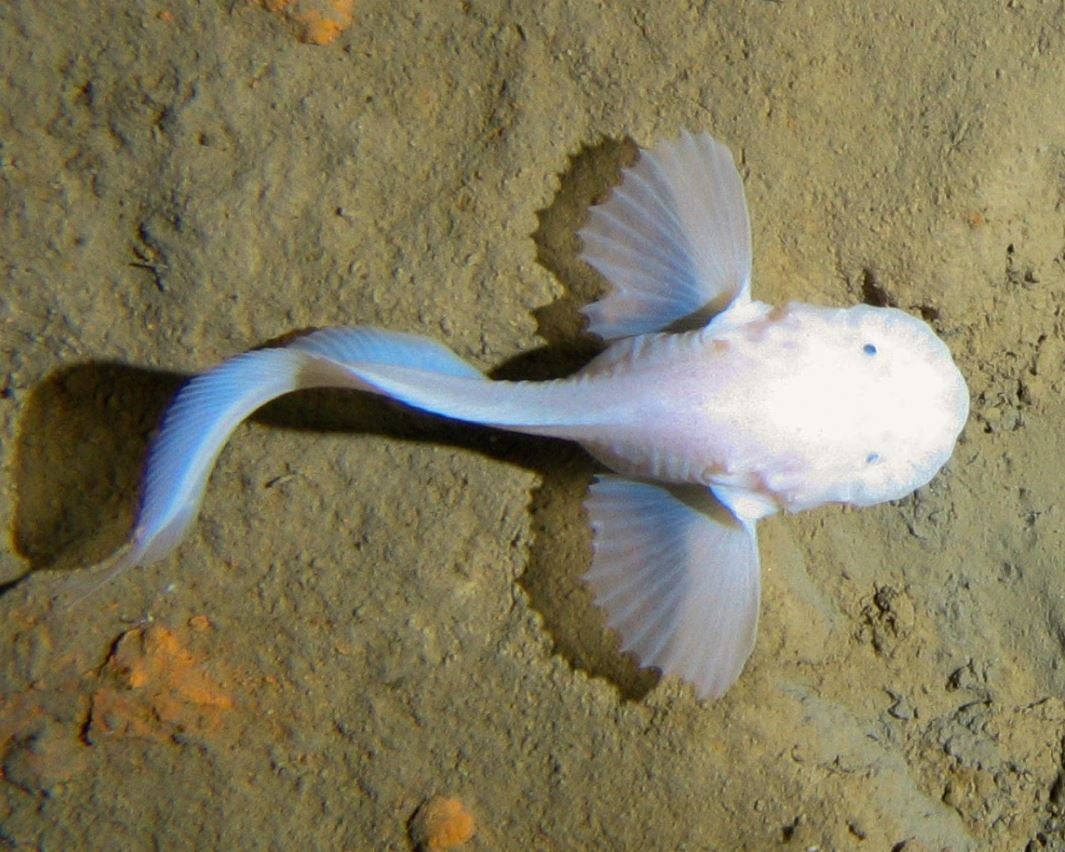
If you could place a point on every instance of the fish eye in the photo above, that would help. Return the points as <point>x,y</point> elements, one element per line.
<point>872,458</point>
<point>869,349</point>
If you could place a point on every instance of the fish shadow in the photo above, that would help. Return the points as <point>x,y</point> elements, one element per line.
<point>83,439</point>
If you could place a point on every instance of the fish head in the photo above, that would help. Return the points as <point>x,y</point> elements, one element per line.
<point>894,400</point>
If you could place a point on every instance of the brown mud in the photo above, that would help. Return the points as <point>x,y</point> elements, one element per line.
<point>378,611</point>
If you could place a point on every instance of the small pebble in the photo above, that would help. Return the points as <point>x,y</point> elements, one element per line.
<point>442,823</point>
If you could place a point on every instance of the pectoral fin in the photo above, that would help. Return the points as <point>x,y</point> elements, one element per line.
<point>673,239</point>
<point>678,576</point>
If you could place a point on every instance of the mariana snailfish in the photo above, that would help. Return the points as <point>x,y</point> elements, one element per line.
<point>761,409</point>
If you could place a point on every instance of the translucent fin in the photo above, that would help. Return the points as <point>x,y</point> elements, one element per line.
<point>673,239</point>
<point>206,411</point>
<point>368,345</point>
<point>678,576</point>
<point>194,429</point>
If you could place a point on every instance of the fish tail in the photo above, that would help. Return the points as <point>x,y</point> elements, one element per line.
<point>208,408</point>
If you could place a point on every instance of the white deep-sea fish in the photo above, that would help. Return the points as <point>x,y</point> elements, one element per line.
<point>761,409</point>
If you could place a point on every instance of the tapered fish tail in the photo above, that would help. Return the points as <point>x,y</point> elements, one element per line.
<point>205,412</point>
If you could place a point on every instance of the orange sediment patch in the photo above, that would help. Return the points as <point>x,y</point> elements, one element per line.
<point>156,688</point>
<point>156,684</point>
<point>315,21</point>
<point>442,823</point>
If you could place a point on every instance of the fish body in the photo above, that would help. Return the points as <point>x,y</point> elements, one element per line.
<point>761,409</point>
<point>789,409</point>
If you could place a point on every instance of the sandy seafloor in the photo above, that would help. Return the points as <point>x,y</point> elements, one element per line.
<point>377,608</point>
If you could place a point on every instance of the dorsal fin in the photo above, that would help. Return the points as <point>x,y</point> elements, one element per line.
<point>645,350</point>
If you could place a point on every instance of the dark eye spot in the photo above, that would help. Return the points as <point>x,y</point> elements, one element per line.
<point>869,349</point>
<point>872,458</point>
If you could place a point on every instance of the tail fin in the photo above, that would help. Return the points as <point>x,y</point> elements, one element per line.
<point>206,411</point>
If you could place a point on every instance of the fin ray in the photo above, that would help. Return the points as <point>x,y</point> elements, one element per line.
<point>673,239</point>
<point>207,410</point>
<point>678,576</point>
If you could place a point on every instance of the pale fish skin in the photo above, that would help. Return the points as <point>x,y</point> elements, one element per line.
<point>761,409</point>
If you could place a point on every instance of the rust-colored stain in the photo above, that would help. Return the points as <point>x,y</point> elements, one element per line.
<point>442,823</point>
<point>315,21</point>
<point>158,684</point>
<point>155,688</point>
